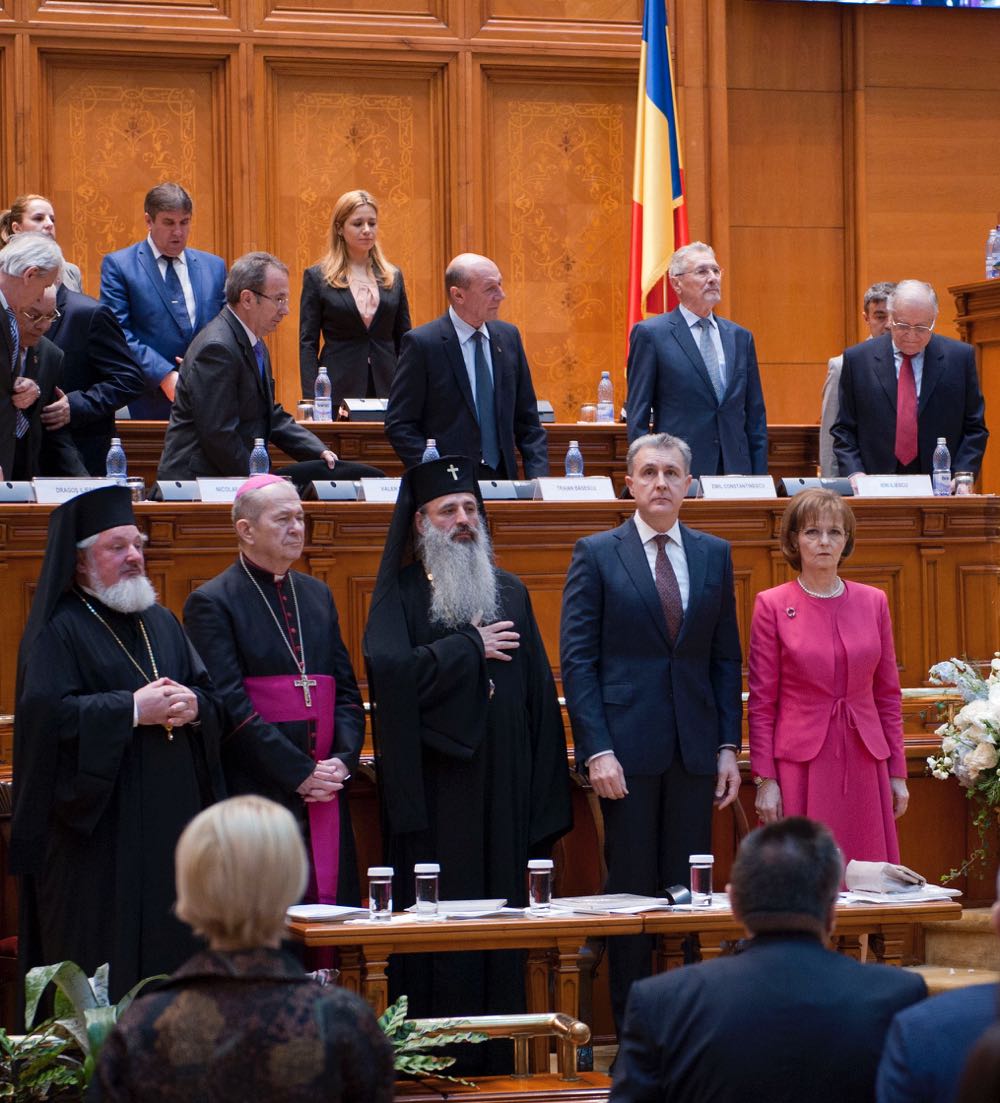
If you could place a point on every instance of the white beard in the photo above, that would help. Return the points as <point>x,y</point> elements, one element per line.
<point>130,595</point>
<point>464,580</point>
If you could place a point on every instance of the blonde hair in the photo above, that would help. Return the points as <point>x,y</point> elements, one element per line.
<point>18,209</point>
<point>334,265</point>
<point>240,864</point>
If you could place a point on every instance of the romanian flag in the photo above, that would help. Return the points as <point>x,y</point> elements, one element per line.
<point>659,216</point>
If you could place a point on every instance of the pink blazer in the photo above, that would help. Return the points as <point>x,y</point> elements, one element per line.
<point>792,702</point>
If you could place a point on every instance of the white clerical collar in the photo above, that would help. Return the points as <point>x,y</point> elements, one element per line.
<point>278,578</point>
<point>463,329</point>
<point>180,258</point>
<point>646,532</point>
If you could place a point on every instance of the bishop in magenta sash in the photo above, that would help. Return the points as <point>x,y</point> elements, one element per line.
<point>270,637</point>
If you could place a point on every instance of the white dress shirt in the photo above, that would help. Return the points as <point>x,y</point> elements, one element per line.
<point>693,320</point>
<point>181,268</point>
<point>674,548</point>
<point>918,366</point>
<point>467,344</point>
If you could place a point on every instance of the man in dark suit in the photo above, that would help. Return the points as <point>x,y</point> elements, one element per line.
<point>40,372</point>
<point>162,294</point>
<point>466,383</point>
<point>927,1045</point>
<point>901,391</point>
<point>696,374</point>
<point>225,397</point>
<point>786,1020</point>
<point>99,376</point>
<point>651,667</point>
<point>29,263</point>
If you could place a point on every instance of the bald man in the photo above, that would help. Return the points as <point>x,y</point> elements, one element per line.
<point>464,381</point>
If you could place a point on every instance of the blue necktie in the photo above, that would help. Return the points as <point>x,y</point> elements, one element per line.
<point>486,409</point>
<point>178,304</point>
<point>20,420</point>
<point>258,351</point>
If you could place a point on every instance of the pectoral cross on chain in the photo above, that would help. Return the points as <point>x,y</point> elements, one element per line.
<point>305,683</point>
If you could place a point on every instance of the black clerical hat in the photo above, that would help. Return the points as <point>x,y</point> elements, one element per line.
<point>88,514</point>
<point>450,475</point>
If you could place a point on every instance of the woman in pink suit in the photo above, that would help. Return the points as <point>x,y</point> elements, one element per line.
<point>826,730</point>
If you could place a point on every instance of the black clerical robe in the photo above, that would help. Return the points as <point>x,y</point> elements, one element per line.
<point>495,785</point>
<point>100,804</point>
<point>238,638</point>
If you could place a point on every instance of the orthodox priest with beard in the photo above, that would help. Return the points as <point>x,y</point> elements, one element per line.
<point>270,637</point>
<point>469,740</point>
<point>115,750</point>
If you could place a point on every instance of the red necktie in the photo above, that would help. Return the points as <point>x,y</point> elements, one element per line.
<point>906,414</point>
<point>668,588</point>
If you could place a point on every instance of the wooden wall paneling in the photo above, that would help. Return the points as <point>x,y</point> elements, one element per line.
<point>789,46</point>
<point>558,217</point>
<point>977,309</point>
<point>119,122</point>
<point>687,41</point>
<point>333,123</point>
<point>978,594</point>
<point>785,285</point>
<point>122,18</point>
<point>8,172</point>
<point>397,20</point>
<point>570,11</point>
<point>717,119</point>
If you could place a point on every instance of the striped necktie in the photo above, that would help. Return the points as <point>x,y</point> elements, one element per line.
<point>20,419</point>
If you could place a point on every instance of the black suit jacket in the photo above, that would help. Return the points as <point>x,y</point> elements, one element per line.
<point>222,404</point>
<point>99,376</point>
<point>431,397</point>
<point>667,375</point>
<point>7,415</point>
<point>348,344</point>
<point>950,406</point>
<point>786,1021</point>
<point>43,363</point>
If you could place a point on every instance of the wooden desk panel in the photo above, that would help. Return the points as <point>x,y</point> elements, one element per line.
<point>937,559</point>
<point>792,449</point>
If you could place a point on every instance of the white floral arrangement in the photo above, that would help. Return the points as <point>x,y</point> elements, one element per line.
<point>970,743</point>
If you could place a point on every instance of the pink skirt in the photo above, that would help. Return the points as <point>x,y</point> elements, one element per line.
<point>846,789</point>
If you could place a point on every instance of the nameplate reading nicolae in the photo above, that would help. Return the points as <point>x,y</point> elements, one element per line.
<point>219,490</point>
<point>595,488</point>
<point>893,486</point>
<point>737,486</point>
<point>379,490</point>
<point>55,491</point>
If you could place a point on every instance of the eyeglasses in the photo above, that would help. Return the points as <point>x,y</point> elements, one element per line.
<point>278,300</point>
<point>918,331</point>
<point>33,318</point>
<point>704,271</point>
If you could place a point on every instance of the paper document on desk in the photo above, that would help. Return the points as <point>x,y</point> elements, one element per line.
<point>325,913</point>
<point>919,894</point>
<point>610,903</point>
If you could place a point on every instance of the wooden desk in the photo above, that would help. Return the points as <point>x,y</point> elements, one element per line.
<point>553,942</point>
<point>556,942</point>
<point>889,928</point>
<point>791,449</point>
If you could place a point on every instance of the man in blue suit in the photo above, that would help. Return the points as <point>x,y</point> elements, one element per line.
<point>651,668</point>
<point>696,374</point>
<point>927,1045</point>
<point>464,380</point>
<point>162,294</point>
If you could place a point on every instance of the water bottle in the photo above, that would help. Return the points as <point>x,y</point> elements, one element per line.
<point>322,406</point>
<point>260,461</point>
<point>430,452</point>
<point>605,398</point>
<point>574,461</point>
<point>993,254</point>
<point>116,466</point>
<point>941,477</point>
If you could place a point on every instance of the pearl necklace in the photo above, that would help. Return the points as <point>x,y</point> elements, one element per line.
<point>837,590</point>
